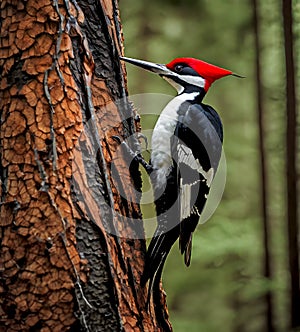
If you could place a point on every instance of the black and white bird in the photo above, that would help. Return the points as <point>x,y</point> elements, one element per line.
<point>185,152</point>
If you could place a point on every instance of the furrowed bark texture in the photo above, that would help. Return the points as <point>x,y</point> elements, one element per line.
<point>71,235</point>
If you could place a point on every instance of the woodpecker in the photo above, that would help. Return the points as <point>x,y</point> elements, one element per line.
<point>186,149</point>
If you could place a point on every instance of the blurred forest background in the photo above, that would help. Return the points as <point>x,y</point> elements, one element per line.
<point>227,287</point>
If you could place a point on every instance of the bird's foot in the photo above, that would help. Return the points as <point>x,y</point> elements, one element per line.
<point>133,155</point>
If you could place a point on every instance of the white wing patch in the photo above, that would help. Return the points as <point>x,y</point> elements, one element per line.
<point>185,200</point>
<point>196,211</point>
<point>186,156</point>
<point>187,207</point>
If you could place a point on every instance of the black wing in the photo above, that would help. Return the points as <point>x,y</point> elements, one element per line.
<point>199,145</point>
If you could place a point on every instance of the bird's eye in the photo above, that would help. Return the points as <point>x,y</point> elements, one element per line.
<point>178,68</point>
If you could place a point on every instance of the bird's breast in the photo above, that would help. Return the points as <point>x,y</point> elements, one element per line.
<point>164,129</point>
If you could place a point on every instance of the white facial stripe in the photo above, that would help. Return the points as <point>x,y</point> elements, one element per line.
<point>192,80</point>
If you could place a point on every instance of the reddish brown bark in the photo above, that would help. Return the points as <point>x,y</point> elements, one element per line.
<point>60,268</point>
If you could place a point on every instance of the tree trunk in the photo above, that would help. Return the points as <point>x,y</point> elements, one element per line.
<point>267,264</point>
<point>71,236</point>
<point>291,169</point>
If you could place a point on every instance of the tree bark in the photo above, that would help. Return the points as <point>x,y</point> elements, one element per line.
<point>291,168</point>
<point>71,236</point>
<point>267,262</point>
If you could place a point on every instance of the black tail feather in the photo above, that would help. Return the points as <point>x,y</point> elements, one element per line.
<point>154,279</point>
<point>154,253</point>
<point>159,314</point>
<point>158,249</point>
<point>157,253</point>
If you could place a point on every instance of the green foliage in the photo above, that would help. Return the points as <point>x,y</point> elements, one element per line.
<point>223,289</point>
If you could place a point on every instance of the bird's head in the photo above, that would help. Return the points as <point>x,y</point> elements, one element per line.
<point>184,73</point>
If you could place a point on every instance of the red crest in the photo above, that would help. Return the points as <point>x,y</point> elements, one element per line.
<point>209,72</point>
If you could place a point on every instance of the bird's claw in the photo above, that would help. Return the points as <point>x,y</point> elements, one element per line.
<point>133,155</point>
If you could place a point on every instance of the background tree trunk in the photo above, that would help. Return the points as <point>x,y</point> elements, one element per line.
<point>72,246</point>
<point>267,262</point>
<point>291,169</point>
